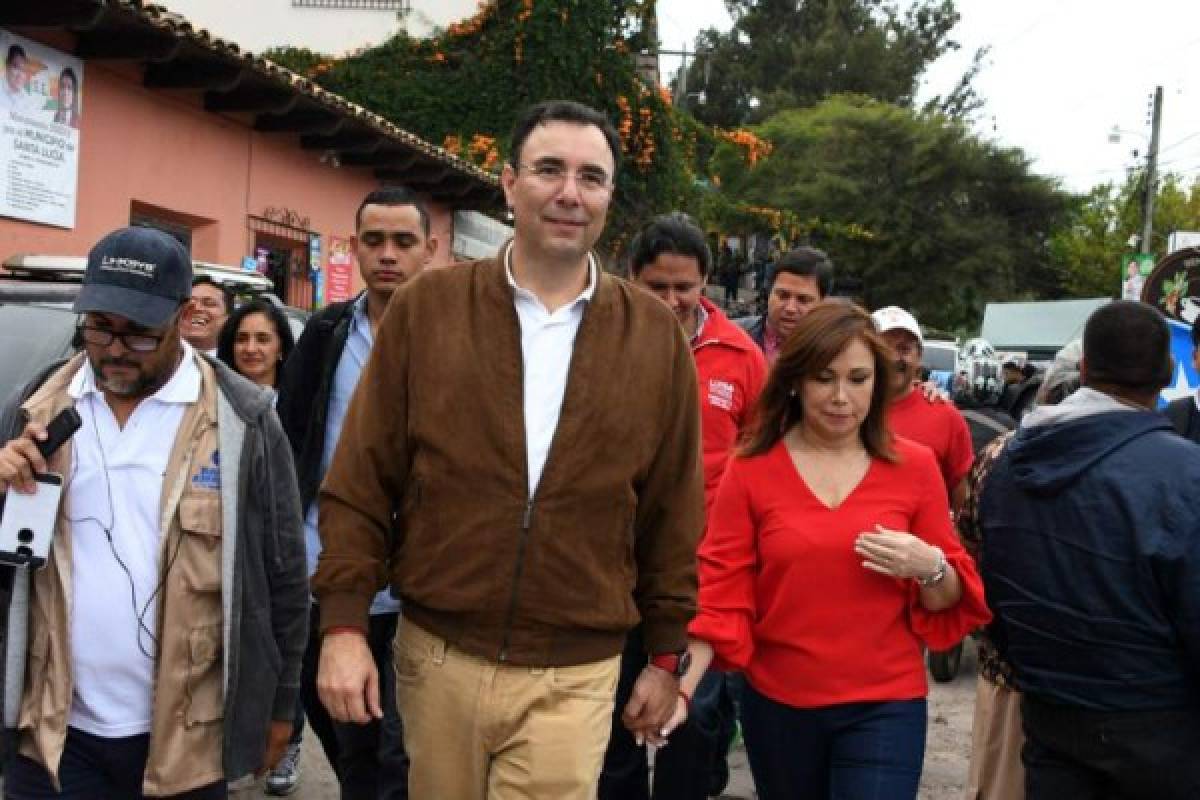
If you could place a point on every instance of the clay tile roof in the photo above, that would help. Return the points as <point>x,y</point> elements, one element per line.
<point>178,26</point>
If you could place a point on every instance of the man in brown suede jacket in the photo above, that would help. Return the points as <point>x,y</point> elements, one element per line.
<point>521,461</point>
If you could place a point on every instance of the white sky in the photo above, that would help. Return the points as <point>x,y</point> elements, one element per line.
<point>1060,75</point>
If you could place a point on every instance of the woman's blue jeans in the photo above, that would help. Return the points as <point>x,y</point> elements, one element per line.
<point>853,751</point>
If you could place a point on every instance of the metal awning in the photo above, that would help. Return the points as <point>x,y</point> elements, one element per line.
<point>478,236</point>
<point>1037,327</point>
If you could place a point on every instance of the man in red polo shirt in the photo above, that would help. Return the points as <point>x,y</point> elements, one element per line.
<point>671,260</point>
<point>932,422</point>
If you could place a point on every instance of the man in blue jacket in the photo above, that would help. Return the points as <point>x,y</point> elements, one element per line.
<point>1091,561</point>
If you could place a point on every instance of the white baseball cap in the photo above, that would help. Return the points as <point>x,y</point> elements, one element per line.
<point>895,318</point>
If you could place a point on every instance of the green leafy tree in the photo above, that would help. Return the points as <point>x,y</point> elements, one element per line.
<point>784,54</point>
<point>462,88</point>
<point>927,215</point>
<point>1088,247</point>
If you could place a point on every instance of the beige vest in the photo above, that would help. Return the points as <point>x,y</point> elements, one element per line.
<point>186,731</point>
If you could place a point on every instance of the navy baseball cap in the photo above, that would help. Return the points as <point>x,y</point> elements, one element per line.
<point>138,273</point>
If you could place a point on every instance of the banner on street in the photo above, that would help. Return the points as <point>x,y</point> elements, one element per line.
<point>41,105</point>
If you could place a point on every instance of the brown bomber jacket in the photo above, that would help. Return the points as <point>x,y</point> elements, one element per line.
<point>435,433</point>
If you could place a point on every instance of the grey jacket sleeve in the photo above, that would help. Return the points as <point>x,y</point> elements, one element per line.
<point>287,569</point>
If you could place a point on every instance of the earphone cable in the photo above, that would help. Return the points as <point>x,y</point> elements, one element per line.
<point>143,628</point>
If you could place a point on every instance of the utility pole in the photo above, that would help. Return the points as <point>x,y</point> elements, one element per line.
<point>1151,168</point>
<point>680,96</point>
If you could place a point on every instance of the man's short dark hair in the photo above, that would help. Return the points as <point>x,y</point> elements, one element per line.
<point>675,233</point>
<point>226,292</point>
<point>394,196</point>
<point>15,51</point>
<point>806,261</point>
<point>1128,345</point>
<point>562,111</point>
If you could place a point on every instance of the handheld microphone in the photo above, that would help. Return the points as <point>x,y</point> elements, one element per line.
<point>61,428</point>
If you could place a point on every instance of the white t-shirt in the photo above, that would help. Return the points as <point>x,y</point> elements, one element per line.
<point>113,678</point>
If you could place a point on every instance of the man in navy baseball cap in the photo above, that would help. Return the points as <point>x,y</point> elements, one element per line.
<point>141,274</point>
<point>177,594</point>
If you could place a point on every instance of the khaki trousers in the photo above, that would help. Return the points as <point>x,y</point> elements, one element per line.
<point>479,730</point>
<point>996,772</point>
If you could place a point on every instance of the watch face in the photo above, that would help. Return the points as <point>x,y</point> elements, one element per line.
<point>685,662</point>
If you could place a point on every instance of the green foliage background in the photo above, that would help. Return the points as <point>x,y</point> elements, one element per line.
<point>926,213</point>
<point>783,54</point>
<point>1087,248</point>
<point>473,77</point>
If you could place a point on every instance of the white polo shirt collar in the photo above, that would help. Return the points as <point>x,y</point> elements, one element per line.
<point>586,295</point>
<point>183,387</point>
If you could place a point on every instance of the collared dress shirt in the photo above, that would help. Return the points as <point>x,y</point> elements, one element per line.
<point>547,342</point>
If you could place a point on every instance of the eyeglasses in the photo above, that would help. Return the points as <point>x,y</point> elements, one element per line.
<point>136,342</point>
<point>553,174</point>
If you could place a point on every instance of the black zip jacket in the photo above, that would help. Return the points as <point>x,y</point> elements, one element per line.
<point>304,391</point>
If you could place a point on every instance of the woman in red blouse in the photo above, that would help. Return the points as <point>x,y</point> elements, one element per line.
<point>829,562</point>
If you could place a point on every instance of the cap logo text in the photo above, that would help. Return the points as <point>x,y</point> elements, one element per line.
<point>130,266</point>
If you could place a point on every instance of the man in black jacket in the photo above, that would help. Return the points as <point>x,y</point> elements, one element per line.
<point>802,278</point>
<point>392,244</point>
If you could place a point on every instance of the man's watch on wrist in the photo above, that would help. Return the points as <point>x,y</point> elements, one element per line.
<point>939,574</point>
<point>673,663</point>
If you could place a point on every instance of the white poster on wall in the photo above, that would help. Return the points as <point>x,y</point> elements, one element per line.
<point>41,104</point>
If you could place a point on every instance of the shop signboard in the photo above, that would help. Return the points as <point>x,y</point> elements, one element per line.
<point>1181,240</point>
<point>41,106</point>
<point>1135,268</point>
<point>339,276</point>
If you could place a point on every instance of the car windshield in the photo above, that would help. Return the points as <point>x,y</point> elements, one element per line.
<point>31,337</point>
<point>939,359</point>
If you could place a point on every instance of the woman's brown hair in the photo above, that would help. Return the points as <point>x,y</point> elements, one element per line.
<point>822,334</point>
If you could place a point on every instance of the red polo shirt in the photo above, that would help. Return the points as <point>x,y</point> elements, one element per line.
<point>940,427</point>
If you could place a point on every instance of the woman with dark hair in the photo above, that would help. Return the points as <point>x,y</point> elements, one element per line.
<point>255,341</point>
<point>67,112</point>
<point>829,563</point>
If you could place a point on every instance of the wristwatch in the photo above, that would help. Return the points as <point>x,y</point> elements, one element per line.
<point>673,663</point>
<point>938,574</point>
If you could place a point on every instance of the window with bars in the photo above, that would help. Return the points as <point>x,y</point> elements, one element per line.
<point>361,5</point>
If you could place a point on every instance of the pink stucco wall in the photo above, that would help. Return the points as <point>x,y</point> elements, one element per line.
<point>163,150</point>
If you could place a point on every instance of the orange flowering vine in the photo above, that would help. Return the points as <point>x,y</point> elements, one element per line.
<point>754,148</point>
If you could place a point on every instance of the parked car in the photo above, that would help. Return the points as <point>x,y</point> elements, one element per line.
<point>69,269</point>
<point>33,334</point>
<point>37,326</point>
<point>939,358</point>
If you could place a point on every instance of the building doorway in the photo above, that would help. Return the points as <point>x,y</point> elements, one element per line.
<point>282,252</point>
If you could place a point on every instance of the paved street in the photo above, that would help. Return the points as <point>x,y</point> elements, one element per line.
<point>948,745</point>
<point>950,709</point>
